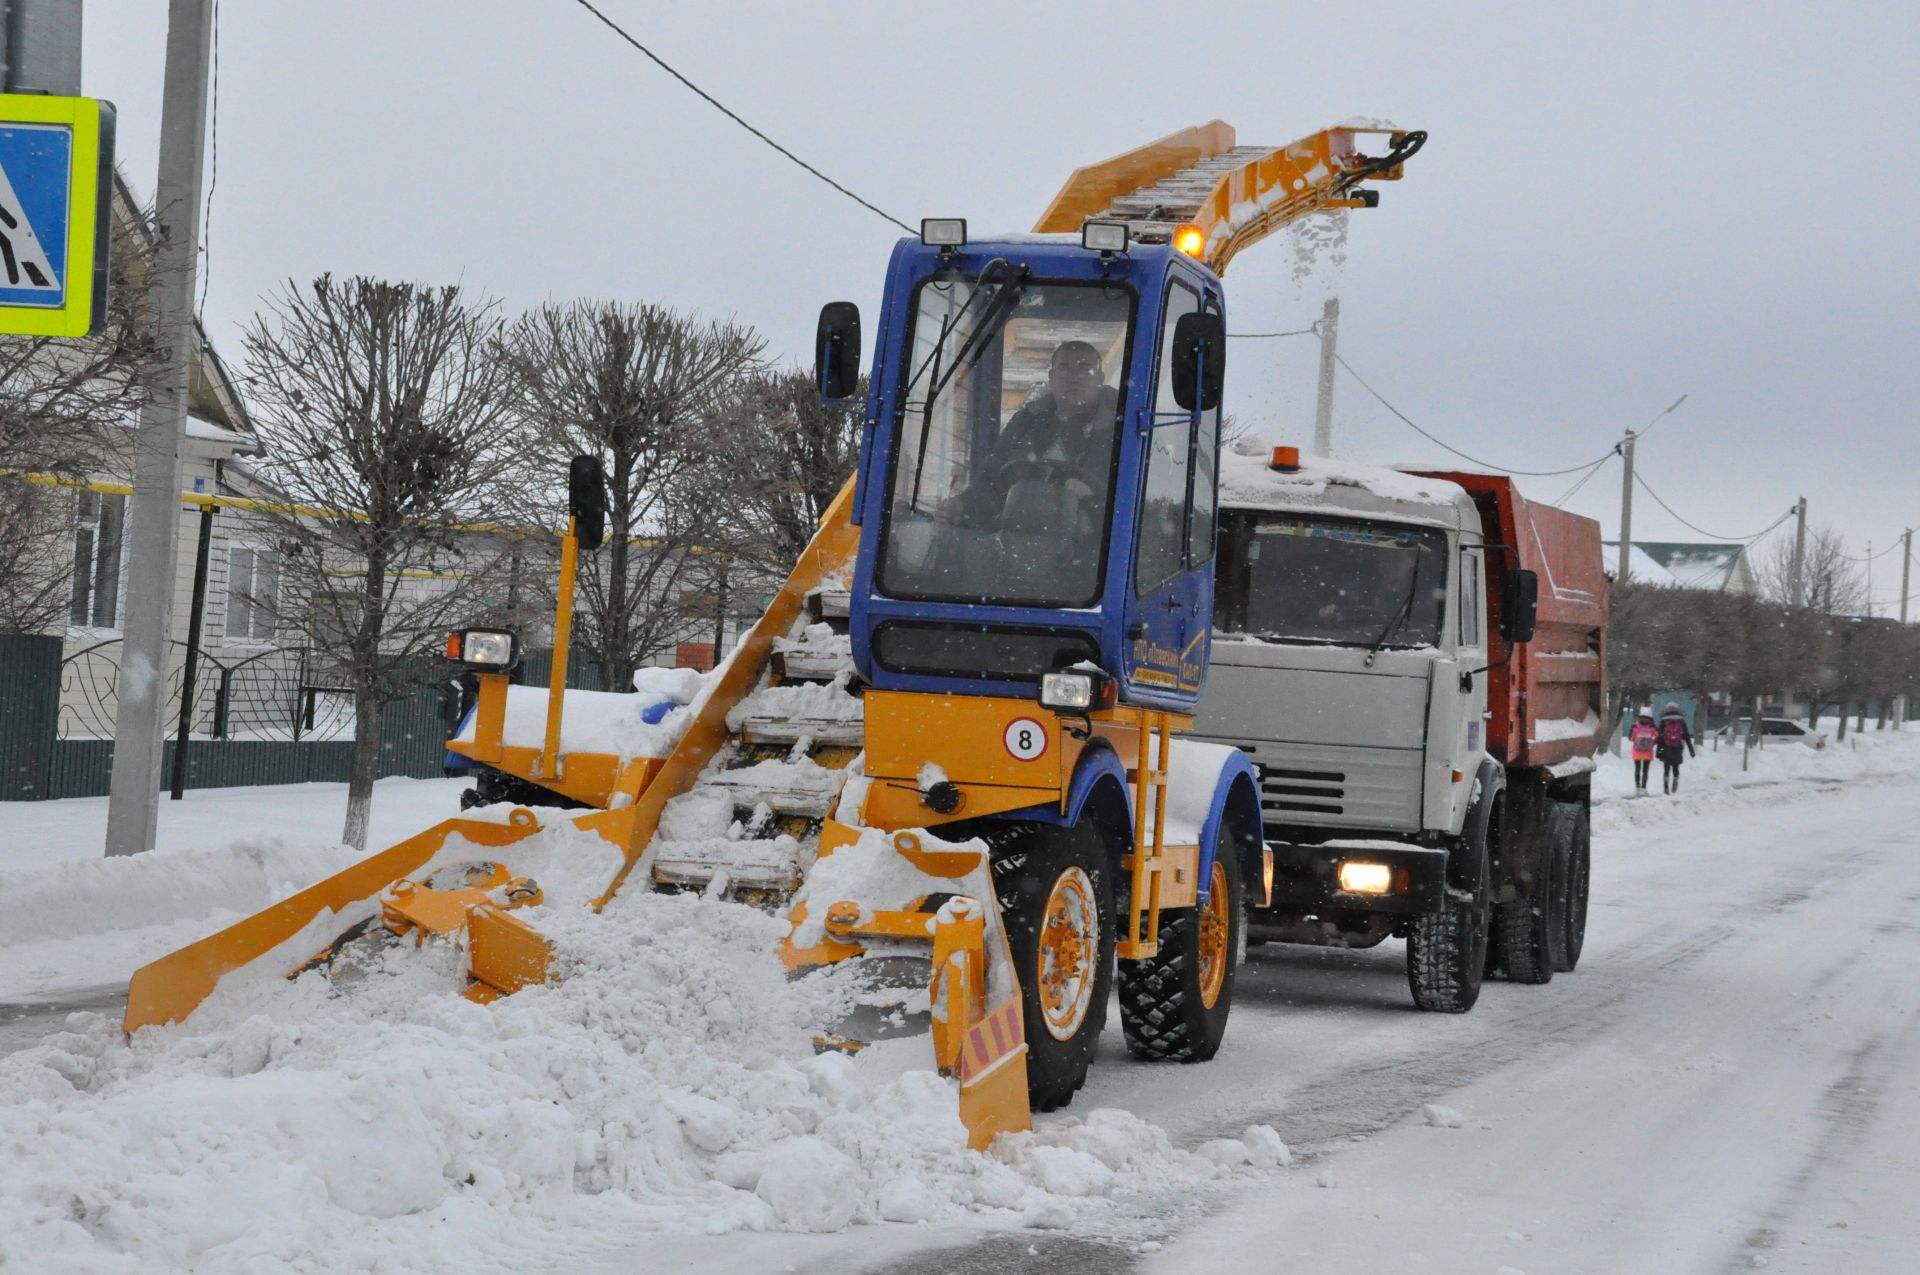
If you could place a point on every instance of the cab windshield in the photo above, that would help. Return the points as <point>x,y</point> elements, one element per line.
<point>1289,579</point>
<point>1010,421</point>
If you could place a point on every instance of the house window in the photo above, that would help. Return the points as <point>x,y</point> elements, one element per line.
<point>98,534</point>
<point>253,594</point>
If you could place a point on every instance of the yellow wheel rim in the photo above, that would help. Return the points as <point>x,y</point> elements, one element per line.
<point>1069,944</point>
<point>1216,931</point>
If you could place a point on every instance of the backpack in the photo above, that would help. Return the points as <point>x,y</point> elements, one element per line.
<point>1673,732</point>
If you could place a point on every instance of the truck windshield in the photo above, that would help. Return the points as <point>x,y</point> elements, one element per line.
<point>1009,425</point>
<point>1284,578</point>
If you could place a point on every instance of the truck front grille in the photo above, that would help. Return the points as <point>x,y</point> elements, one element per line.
<point>1315,791</point>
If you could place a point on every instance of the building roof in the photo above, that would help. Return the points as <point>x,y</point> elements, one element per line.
<point>1645,569</point>
<point>1698,565</point>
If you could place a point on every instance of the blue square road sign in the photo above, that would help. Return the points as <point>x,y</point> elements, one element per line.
<point>56,201</point>
<point>36,182</point>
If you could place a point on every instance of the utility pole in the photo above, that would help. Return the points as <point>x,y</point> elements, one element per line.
<point>1329,341</point>
<point>40,47</point>
<point>1799,561</point>
<point>153,522</point>
<point>1906,574</point>
<point>1626,508</point>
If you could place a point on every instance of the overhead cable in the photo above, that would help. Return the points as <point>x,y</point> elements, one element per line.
<point>714,102</point>
<point>1257,336</point>
<point>1717,535</point>
<point>1872,557</point>
<point>1484,464</point>
<point>1584,479</point>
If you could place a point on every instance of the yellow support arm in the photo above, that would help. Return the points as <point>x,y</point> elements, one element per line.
<point>1234,195</point>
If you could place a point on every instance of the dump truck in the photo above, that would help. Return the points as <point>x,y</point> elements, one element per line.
<point>948,749</point>
<point>1415,662</point>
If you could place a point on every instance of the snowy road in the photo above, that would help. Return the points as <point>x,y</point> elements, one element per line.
<point>1730,1081</point>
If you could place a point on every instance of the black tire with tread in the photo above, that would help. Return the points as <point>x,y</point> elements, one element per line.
<point>1027,859</point>
<point>1532,932</point>
<point>1447,950</point>
<point>1575,886</point>
<point>1161,1009</point>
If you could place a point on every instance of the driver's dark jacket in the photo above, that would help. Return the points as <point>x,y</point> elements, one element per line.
<point>1039,432</point>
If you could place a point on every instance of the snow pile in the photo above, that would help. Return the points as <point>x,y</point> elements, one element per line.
<point>645,724</point>
<point>799,701</point>
<point>53,918</point>
<point>1780,771</point>
<point>667,1082</point>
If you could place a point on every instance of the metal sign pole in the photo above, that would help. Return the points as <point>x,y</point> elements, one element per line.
<point>154,518</point>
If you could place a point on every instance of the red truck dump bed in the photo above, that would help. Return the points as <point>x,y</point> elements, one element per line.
<point>1546,705</point>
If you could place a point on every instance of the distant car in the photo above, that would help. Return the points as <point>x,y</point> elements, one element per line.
<point>1780,727</point>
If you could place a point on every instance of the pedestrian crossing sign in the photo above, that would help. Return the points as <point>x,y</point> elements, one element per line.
<point>56,184</point>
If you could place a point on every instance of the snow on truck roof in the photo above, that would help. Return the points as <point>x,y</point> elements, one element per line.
<point>1340,488</point>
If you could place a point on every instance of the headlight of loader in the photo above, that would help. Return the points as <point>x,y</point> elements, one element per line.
<point>484,650</point>
<point>1076,691</point>
<point>1359,877</point>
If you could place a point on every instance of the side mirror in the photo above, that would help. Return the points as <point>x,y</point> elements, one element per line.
<point>836,350</point>
<point>587,501</point>
<point>1519,606</point>
<point>1199,360</point>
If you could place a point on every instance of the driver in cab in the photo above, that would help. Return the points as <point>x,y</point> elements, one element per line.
<point>1063,435</point>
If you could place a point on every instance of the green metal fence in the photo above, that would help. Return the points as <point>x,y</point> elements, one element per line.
<point>36,764</point>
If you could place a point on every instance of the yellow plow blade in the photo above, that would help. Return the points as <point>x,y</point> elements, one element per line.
<point>169,989</point>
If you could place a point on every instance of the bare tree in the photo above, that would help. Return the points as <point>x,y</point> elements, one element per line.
<point>380,405</point>
<point>787,457</point>
<point>638,386</point>
<point>1832,581</point>
<point>64,409</point>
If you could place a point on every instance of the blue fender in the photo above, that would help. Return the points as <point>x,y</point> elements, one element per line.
<point>1098,765</point>
<point>1234,782</point>
<point>1225,772</point>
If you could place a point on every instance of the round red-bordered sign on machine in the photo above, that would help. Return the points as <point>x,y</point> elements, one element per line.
<point>1026,739</point>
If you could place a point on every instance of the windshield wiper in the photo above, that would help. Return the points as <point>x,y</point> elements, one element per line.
<point>975,341</point>
<point>1399,616</point>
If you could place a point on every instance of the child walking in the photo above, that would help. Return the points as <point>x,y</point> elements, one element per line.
<point>1676,744</point>
<point>1643,735</point>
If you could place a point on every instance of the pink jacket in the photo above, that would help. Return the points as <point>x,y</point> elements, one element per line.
<point>1644,736</point>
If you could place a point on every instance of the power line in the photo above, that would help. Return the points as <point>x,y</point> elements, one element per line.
<point>1586,478</point>
<point>1484,464</point>
<point>714,102</point>
<point>1716,535</point>
<point>213,166</point>
<point>1872,557</point>
<point>1257,336</point>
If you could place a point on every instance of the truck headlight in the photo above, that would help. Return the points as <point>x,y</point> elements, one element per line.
<point>1357,876</point>
<point>1076,691</point>
<point>484,650</point>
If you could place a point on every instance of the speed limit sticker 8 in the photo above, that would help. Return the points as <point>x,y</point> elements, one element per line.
<point>1026,738</point>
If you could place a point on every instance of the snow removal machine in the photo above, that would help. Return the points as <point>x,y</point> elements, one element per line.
<point>949,748</point>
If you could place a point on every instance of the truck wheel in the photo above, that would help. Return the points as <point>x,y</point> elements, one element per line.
<point>1531,932</point>
<point>1174,1004</point>
<point>1056,900</point>
<point>1447,950</point>
<point>1574,889</point>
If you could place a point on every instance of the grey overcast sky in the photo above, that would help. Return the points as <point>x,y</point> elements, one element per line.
<point>1620,202</point>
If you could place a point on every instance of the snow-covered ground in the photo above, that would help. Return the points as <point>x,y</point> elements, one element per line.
<point>1731,1080</point>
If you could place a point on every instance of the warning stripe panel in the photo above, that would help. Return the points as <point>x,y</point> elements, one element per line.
<point>991,1040</point>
